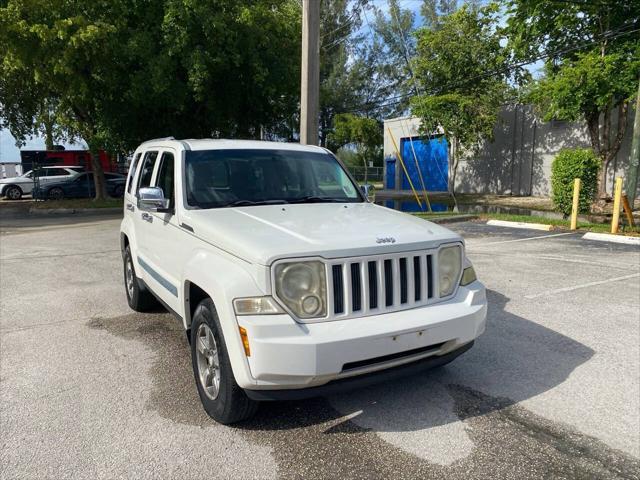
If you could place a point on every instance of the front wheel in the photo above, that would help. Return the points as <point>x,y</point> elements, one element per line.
<point>221,397</point>
<point>13,193</point>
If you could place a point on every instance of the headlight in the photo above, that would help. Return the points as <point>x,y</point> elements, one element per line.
<point>468,276</point>
<point>302,288</point>
<point>449,266</point>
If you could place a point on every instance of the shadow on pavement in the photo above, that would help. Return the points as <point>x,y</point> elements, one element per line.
<point>440,425</point>
<point>515,356</point>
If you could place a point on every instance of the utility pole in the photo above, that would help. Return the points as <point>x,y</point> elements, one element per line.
<point>634,164</point>
<point>310,78</point>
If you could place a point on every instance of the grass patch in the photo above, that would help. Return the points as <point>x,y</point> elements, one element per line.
<point>429,216</point>
<point>80,203</point>
<point>559,224</point>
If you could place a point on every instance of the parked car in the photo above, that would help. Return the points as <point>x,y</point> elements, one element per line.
<point>287,280</point>
<point>14,188</point>
<point>81,186</point>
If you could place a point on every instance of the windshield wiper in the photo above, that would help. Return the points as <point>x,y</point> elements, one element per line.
<point>248,203</point>
<point>316,199</point>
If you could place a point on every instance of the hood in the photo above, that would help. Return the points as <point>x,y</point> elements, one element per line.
<point>262,234</point>
<point>19,179</point>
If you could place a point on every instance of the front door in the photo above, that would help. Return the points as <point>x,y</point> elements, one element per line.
<point>161,234</point>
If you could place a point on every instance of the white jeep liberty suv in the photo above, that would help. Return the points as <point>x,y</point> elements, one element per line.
<point>288,281</point>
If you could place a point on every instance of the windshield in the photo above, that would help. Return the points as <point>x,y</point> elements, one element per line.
<point>225,178</point>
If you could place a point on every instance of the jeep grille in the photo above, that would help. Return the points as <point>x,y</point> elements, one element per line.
<point>382,283</point>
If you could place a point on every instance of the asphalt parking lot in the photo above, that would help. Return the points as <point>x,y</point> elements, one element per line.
<point>89,389</point>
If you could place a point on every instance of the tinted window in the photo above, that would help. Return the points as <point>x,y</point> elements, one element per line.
<point>132,171</point>
<point>55,172</point>
<point>165,177</point>
<point>219,178</point>
<point>84,178</point>
<point>146,171</point>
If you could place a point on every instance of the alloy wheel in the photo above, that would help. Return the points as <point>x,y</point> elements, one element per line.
<point>208,361</point>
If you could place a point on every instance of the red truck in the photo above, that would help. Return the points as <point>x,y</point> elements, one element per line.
<point>61,157</point>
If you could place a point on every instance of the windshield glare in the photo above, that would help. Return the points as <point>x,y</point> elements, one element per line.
<point>222,178</point>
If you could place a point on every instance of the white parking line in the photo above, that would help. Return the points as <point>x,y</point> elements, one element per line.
<point>584,285</point>
<point>526,239</point>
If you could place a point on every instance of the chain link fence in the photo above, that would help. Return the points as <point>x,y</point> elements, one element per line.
<point>369,174</point>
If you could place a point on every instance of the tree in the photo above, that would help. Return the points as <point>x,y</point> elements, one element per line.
<point>433,11</point>
<point>396,48</point>
<point>461,67</point>
<point>340,79</point>
<point>124,71</point>
<point>363,133</point>
<point>592,61</point>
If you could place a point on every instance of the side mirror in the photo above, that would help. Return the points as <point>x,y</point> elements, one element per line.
<point>151,199</point>
<point>367,190</point>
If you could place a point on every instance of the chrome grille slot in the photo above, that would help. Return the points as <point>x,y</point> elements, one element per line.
<point>356,288</point>
<point>388,283</point>
<point>338,290</point>
<point>417,292</point>
<point>403,281</point>
<point>381,283</point>
<point>373,284</point>
<point>429,276</point>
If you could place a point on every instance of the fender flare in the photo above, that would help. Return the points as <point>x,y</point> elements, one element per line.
<point>223,280</point>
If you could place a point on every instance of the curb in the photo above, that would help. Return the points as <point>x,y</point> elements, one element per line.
<point>609,237</point>
<point>46,212</point>
<point>452,219</point>
<point>528,226</point>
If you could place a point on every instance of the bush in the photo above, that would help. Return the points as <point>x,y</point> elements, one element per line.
<point>570,164</point>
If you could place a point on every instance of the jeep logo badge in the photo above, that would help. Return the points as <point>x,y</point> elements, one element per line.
<point>385,240</point>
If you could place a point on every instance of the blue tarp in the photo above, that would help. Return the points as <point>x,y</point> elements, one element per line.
<point>433,161</point>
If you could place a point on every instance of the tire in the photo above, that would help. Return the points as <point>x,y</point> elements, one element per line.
<point>118,191</point>
<point>56,193</point>
<point>139,297</point>
<point>13,192</point>
<point>228,403</point>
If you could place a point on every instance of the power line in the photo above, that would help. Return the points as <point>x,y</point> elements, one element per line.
<point>608,36</point>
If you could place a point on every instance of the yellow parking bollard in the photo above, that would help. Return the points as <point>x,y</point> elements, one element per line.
<point>576,203</point>
<point>616,205</point>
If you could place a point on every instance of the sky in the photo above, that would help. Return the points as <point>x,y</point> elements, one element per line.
<point>10,153</point>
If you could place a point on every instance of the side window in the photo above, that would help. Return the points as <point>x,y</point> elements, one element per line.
<point>85,178</point>
<point>132,172</point>
<point>54,172</point>
<point>146,171</point>
<point>165,177</point>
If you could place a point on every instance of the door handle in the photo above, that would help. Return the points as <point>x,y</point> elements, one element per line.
<point>146,217</point>
<point>130,207</point>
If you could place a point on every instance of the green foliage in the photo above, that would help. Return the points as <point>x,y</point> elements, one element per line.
<point>119,72</point>
<point>451,66</point>
<point>587,83</point>
<point>568,165</point>
<point>591,68</point>
<point>342,70</point>
<point>362,132</point>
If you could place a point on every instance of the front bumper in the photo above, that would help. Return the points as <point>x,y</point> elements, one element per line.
<point>286,355</point>
<point>360,381</point>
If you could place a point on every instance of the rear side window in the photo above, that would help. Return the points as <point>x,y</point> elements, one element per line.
<point>165,177</point>
<point>54,172</point>
<point>146,171</point>
<point>132,171</point>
